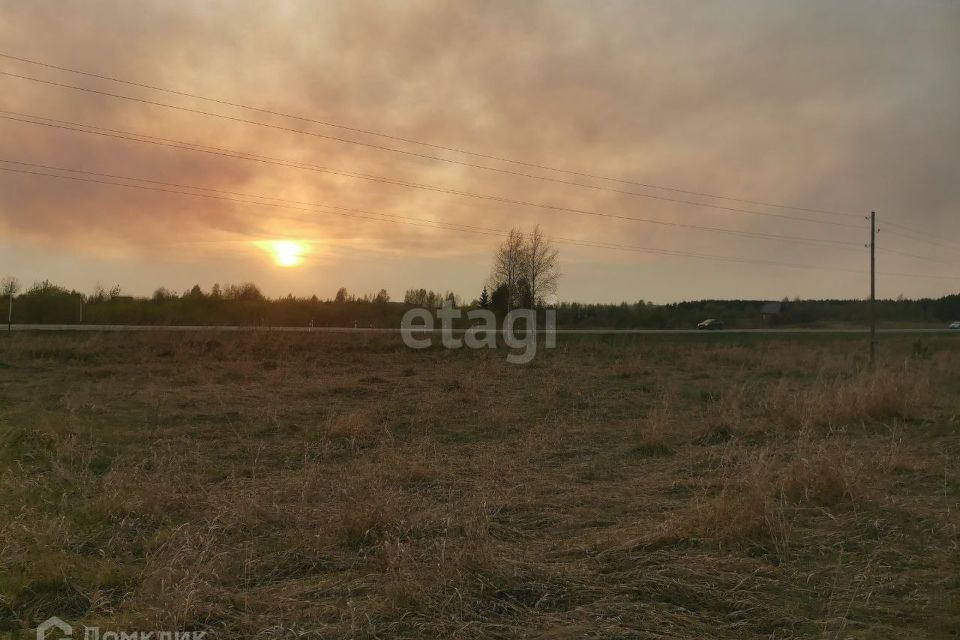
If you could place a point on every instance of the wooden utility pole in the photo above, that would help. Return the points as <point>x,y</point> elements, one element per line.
<point>873,285</point>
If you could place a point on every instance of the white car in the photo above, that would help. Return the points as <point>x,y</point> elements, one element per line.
<point>955,325</point>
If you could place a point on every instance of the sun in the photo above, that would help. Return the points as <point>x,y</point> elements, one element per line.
<point>286,253</point>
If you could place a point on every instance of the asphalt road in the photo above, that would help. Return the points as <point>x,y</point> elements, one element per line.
<point>130,327</point>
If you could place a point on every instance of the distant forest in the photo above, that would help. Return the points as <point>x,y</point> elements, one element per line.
<point>244,304</point>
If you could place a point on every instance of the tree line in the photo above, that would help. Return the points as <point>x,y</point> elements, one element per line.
<point>228,304</point>
<point>525,274</point>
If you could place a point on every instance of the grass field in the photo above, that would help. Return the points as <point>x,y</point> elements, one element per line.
<point>343,486</point>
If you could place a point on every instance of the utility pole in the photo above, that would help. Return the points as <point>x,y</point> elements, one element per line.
<point>873,285</point>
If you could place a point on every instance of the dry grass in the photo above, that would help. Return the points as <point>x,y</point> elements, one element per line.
<point>283,486</point>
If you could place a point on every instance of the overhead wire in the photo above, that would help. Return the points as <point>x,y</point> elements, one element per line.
<point>943,245</point>
<point>915,256</point>
<point>259,200</point>
<point>423,156</point>
<point>401,182</point>
<point>408,140</point>
<point>399,219</point>
<point>131,136</point>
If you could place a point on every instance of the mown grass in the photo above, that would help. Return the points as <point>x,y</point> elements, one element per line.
<point>284,485</point>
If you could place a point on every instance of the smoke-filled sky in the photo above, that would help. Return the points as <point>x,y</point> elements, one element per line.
<point>839,107</point>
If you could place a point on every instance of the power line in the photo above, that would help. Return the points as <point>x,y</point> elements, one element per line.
<point>431,145</point>
<point>386,180</point>
<point>253,198</point>
<point>916,257</point>
<point>915,275</point>
<point>917,231</point>
<point>669,252</point>
<point>242,155</point>
<point>916,239</point>
<point>358,212</point>
<point>424,156</point>
<point>363,213</point>
<point>259,197</point>
<point>399,219</point>
<point>414,141</point>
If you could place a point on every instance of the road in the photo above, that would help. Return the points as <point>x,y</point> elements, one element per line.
<point>130,327</point>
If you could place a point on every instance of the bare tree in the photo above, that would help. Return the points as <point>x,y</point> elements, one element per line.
<point>9,286</point>
<point>99,293</point>
<point>509,265</point>
<point>542,268</point>
<point>525,269</point>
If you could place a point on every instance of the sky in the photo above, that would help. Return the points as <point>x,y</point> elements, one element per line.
<point>835,109</point>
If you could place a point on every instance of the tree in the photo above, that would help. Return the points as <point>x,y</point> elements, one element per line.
<point>527,266</point>
<point>48,302</point>
<point>46,288</point>
<point>522,294</point>
<point>416,297</point>
<point>99,294</point>
<point>341,295</point>
<point>162,294</point>
<point>542,270</point>
<point>508,265</point>
<point>484,299</point>
<point>382,297</point>
<point>500,300</point>
<point>9,287</point>
<point>243,291</point>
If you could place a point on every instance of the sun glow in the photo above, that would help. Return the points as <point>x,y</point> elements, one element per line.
<point>286,253</point>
